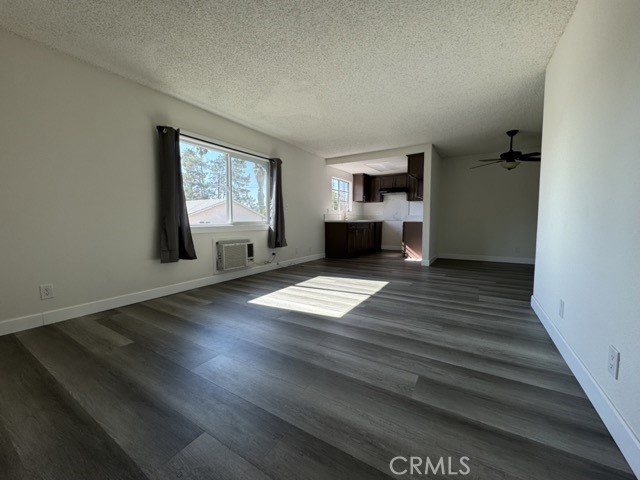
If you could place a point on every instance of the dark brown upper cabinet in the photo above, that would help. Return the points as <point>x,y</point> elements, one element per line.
<point>386,182</point>
<point>367,188</point>
<point>416,165</point>
<point>400,181</point>
<point>362,187</point>
<point>376,196</point>
<point>415,168</point>
<point>393,181</point>
<point>414,189</point>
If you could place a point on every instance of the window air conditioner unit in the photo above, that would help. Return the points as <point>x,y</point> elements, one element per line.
<point>233,254</point>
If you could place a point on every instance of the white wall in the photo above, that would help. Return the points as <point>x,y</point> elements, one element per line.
<point>78,188</point>
<point>588,249</point>
<point>488,213</point>
<point>435,193</point>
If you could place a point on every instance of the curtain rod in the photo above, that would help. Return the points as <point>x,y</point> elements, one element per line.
<point>224,146</point>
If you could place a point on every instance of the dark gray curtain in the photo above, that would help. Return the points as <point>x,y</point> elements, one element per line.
<point>276,214</point>
<point>175,234</point>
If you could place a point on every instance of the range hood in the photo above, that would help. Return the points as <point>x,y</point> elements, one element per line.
<point>384,191</point>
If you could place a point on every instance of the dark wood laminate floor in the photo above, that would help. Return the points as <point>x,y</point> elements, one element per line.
<point>325,370</point>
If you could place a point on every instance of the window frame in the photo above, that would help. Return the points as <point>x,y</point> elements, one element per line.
<point>230,152</point>
<point>349,191</point>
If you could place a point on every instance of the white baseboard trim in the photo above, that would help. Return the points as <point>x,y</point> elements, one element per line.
<point>488,258</point>
<point>426,262</point>
<point>14,325</point>
<point>392,247</point>
<point>296,261</point>
<point>53,316</point>
<point>624,437</point>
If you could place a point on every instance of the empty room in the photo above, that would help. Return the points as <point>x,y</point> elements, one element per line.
<point>320,239</point>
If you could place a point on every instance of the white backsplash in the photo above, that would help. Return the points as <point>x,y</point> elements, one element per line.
<point>416,211</point>
<point>332,217</point>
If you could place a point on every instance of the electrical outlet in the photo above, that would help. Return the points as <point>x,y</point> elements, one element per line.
<point>517,249</point>
<point>46,291</point>
<point>561,309</point>
<point>614,361</point>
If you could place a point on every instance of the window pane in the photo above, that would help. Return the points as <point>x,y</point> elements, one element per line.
<point>340,194</point>
<point>249,188</point>
<point>204,178</point>
<point>334,200</point>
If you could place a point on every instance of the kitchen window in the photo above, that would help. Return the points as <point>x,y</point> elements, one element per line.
<point>340,195</point>
<point>223,187</point>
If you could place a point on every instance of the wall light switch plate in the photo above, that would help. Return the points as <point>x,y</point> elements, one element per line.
<point>614,361</point>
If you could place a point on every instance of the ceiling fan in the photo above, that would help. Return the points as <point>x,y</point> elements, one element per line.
<point>512,158</point>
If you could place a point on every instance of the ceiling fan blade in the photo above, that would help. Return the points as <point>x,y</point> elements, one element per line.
<point>491,160</point>
<point>532,154</point>
<point>529,159</point>
<point>486,164</point>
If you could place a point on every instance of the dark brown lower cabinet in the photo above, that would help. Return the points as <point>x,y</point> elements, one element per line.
<point>350,239</point>
<point>412,240</point>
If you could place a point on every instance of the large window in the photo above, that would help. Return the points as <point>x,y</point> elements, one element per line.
<point>223,187</point>
<point>340,195</point>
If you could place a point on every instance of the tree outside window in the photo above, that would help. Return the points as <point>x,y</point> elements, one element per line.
<point>210,173</point>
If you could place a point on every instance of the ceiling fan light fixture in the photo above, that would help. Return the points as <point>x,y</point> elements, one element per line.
<point>511,159</point>
<point>509,165</point>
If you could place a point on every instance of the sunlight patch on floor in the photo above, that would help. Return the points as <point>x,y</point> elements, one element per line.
<point>340,284</point>
<point>327,296</point>
<point>412,255</point>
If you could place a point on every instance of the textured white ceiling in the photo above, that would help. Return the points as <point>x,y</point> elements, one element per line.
<point>335,77</point>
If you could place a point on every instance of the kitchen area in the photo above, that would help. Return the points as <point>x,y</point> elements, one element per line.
<point>387,209</point>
